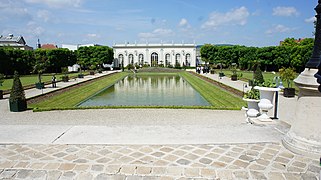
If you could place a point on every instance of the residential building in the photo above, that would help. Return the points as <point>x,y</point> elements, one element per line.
<point>16,42</point>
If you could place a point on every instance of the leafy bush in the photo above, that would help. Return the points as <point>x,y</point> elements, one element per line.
<point>1,79</point>
<point>252,94</point>
<point>17,92</point>
<point>287,75</point>
<point>257,74</point>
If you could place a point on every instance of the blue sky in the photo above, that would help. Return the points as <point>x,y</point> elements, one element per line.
<point>243,22</point>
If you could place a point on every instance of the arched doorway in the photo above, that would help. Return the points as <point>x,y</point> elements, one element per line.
<point>177,60</point>
<point>167,60</point>
<point>154,59</point>
<point>141,59</point>
<point>188,60</point>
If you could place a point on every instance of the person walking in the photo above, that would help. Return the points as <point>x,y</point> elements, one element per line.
<point>53,81</point>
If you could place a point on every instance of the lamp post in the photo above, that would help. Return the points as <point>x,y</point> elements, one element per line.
<point>304,137</point>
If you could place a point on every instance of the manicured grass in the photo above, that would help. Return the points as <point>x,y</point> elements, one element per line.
<point>247,75</point>
<point>73,97</point>
<point>32,79</point>
<point>218,98</point>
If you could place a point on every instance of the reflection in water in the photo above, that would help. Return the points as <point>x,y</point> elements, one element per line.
<point>143,90</point>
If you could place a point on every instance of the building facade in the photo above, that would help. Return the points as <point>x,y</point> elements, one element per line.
<point>155,55</point>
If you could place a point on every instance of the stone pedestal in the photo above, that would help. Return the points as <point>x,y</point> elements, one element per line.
<point>304,137</point>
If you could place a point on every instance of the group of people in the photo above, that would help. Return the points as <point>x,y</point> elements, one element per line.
<point>205,69</point>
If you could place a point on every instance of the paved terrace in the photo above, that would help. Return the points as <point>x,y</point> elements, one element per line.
<point>145,144</point>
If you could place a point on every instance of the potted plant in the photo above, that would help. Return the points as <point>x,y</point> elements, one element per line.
<point>17,99</point>
<point>287,75</point>
<point>80,75</point>
<point>65,77</point>
<point>1,81</point>
<point>40,67</point>
<point>92,69</point>
<point>267,90</point>
<point>257,75</point>
<point>234,74</point>
<point>252,97</point>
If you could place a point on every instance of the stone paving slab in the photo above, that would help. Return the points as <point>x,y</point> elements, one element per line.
<point>204,161</point>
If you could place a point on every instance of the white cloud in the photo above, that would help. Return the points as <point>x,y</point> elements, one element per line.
<point>13,10</point>
<point>183,23</point>
<point>285,11</point>
<point>93,35</point>
<point>310,20</point>
<point>157,34</point>
<point>58,3</point>
<point>34,29</point>
<point>279,29</point>
<point>234,17</point>
<point>44,14</point>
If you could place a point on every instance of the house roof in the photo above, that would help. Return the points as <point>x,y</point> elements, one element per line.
<point>10,39</point>
<point>48,46</point>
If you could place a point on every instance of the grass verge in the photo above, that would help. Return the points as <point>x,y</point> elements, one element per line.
<point>71,98</point>
<point>218,98</point>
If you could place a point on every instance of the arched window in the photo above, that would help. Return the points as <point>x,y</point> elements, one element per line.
<point>154,59</point>
<point>131,59</point>
<point>141,59</point>
<point>188,59</point>
<point>177,60</point>
<point>167,59</point>
<point>121,59</point>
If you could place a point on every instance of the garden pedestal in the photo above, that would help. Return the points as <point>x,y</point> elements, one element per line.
<point>266,99</point>
<point>252,110</point>
<point>304,137</point>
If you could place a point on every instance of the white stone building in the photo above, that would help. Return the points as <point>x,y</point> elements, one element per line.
<point>155,54</point>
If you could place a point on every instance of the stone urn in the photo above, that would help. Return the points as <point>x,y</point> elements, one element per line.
<point>252,108</point>
<point>266,99</point>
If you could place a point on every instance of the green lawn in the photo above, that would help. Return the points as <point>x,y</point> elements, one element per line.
<point>32,79</point>
<point>219,99</point>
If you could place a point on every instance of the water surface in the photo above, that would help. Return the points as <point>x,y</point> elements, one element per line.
<point>144,90</point>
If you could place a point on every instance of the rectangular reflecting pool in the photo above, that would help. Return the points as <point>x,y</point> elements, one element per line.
<point>148,90</point>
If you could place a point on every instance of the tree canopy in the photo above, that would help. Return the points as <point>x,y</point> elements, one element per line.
<point>291,53</point>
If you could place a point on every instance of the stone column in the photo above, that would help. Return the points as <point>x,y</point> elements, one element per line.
<point>304,137</point>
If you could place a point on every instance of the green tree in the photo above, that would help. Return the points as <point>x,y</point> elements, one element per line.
<point>17,92</point>
<point>41,63</point>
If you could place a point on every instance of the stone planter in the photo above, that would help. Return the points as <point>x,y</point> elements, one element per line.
<point>18,106</point>
<point>1,94</point>
<point>266,99</point>
<point>288,92</point>
<point>92,72</point>
<point>252,108</point>
<point>234,77</point>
